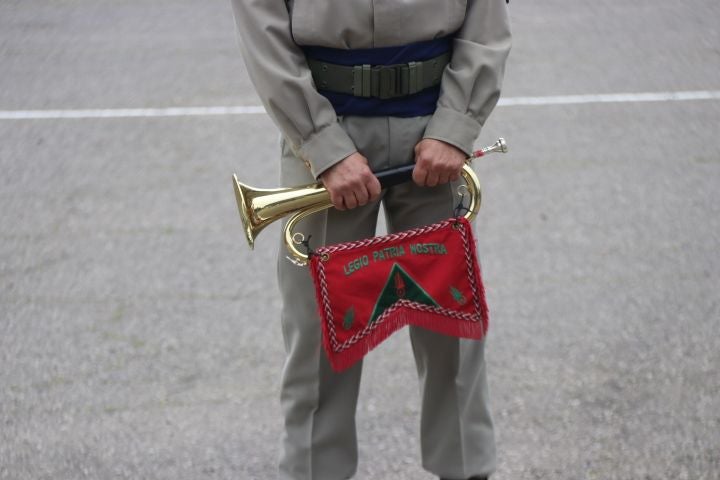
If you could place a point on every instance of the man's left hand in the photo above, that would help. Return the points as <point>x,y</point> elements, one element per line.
<point>437,162</point>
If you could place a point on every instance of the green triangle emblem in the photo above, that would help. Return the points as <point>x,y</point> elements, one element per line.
<point>400,285</point>
<point>349,318</point>
<point>458,296</point>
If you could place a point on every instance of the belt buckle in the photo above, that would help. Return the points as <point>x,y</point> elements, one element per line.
<point>389,81</point>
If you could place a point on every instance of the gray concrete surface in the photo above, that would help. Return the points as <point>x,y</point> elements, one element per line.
<point>139,336</point>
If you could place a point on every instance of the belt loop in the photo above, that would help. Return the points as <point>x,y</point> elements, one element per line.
<point>415,77</point>
<point>366,90</point>
<point>387,84</point>
<point>361,81</point>
<point>375,81</point>
<point>402,82</point>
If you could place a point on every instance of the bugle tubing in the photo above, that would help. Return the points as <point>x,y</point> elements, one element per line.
<point>259,207</point>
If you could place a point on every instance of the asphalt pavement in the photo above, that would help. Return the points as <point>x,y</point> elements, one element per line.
<point>140,338</point>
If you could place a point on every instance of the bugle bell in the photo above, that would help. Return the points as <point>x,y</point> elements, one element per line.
<point>259,207</point>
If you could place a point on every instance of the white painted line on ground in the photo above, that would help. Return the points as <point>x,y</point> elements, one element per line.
<point>611,98</point>
<point>252,110</point>
<point>128,112</point>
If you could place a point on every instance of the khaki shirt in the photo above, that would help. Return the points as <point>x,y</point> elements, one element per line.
<point>271,30</point>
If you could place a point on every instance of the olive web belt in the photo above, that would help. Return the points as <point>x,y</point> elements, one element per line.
<point>379,81</point>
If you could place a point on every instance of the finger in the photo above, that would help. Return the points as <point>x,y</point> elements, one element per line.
<point>419,175</point>
<point>454,177</point>
<point>432,179</point>
<point>350,200</point>
<point>374,189</point>
<point>336,199</point>
<point>443,178</point>
<point>362,195</point>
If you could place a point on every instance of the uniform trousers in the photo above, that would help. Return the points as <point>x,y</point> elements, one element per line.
<point>319,441</point>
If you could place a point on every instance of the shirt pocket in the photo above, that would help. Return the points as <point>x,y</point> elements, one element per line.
<point>402,22</point>
<point>336,24</point>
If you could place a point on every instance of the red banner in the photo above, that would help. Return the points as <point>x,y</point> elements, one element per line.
<point>428,277</point>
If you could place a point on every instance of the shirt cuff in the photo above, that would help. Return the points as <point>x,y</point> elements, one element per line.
<point>454,128</point>
<point>325,148</point>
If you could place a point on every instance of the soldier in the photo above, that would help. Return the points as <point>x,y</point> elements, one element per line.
<point>356,86</point>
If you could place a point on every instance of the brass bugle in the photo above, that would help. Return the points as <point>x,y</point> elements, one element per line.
<point>260,207</point>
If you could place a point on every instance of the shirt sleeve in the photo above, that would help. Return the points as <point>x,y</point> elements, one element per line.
<point>278,69</point>
<point>470,86</point>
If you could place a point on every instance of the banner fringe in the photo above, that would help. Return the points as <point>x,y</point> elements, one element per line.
<point>395,321</point>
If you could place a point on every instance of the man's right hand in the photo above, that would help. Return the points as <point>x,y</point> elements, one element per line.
<point>351,183</point>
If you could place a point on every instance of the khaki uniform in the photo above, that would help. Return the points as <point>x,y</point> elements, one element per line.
<point>319,405</point>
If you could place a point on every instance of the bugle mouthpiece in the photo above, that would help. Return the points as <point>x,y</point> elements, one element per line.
<point>499,146</point>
